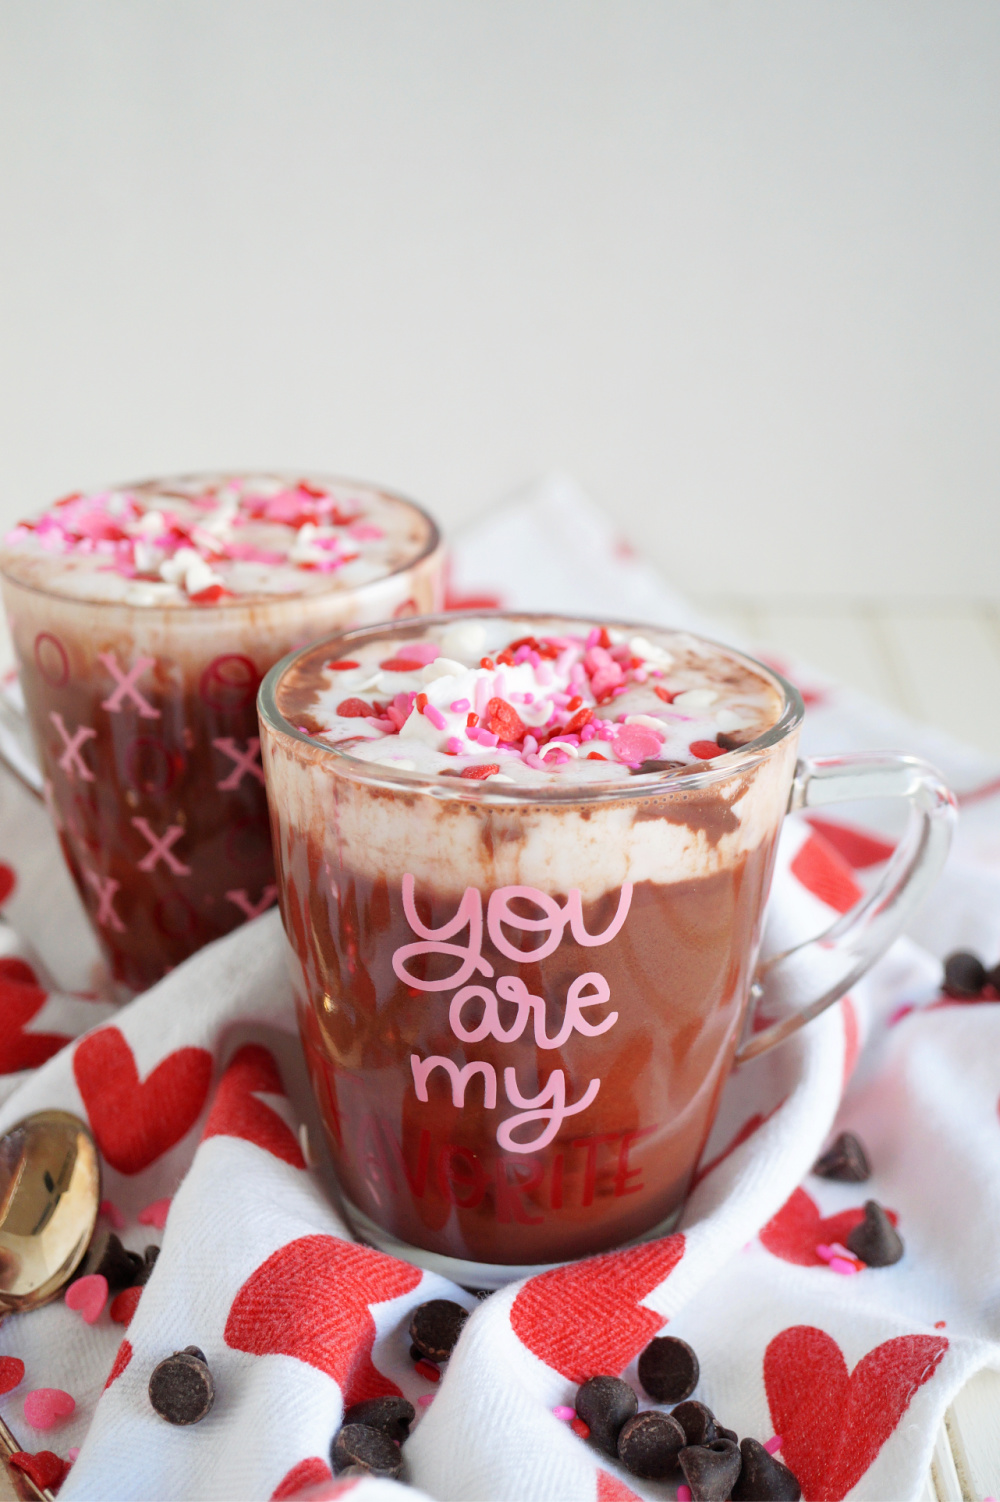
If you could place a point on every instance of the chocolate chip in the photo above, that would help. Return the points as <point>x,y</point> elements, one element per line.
<point>389,1415</point>
<point>845,1159</point>
<point>373,1451</point>
<point>728,1434</point>
<point>876,1240</point>
<point>732,740</point>
<point>436,1326</point>
<point>668,1369</point>
<point>964,975</point>
<point>697,1421</point>
<point>145,1268</point>
<point>649,1445</point>
<point>181,1387</point>
<point>711,1470</point>
<point>108,1257</point>
<point>993,977</point>
<point>415,1354</point>
<point>605,1404</point>
<point>654,765</point>
<point>763,1479</point>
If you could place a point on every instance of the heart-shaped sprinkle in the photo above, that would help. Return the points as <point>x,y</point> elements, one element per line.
<point>88,1296</point>
<point>155,1214</point>
<point>111,1212</point>
<point>124,1305</point>
<point>11,1373</point>
<point>47,1406</point>
<point>46,1470</point>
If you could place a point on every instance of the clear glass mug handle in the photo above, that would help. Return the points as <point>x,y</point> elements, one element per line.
<point>17,751</point>
<point>826,967</point>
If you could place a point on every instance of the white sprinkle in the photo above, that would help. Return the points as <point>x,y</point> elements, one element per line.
<point>464,639</point>
<point>650,721</point>
<point>659,656</point>
<point>151,524</point>
<point>398,763</point>
<point>442,667</point>
<point>558,745</point>
<point>695,698</point>
<point>728,719</point>
<point>498,777</point>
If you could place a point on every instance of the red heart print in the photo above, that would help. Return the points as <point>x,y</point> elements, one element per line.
<point>834,1423</point>
<point>136,1121</point>
<point>122,1358</point>
<point>311,1472</point>
<point>310,1300</point>
<point>610,1489</point>
<point>8,881</point>
<point>586,1320</point>
<point>798,1228</point>
<point>858,848</point>
<point>825,873</point>
<point>236,1111</point>
<point>21,997</point>
<point>11,1373</point>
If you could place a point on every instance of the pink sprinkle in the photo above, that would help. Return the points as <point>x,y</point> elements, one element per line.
<point>841,1251</point>
<point>683,1494</point>
<point>488,738</point>
<point>840,1265</point>
<point>88,1296</point>
<point>500,686</point>
<point>366,532</point>
<point>543,673</point>
<point>593,639</point>
<point>459,706</point>
<point>824,1251</point>
<point>436,718</point>
<point>588,732</point>
<point>606,732</point>
<point>111,1212</point>
<point>530,745</point>
<point>419,651</point>
<point>635,743</point>
<point>426,1399</point>
<point>482,696</point>
<point>774,1444</point>
<point>72,1453</point>
<point>454,746</point>
<point>155,1214</point>
<point>564,1413</point>
<point>46,1406</point>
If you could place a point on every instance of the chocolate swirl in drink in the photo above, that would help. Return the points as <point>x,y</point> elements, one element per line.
<point>143,619</point>
<point>523,864</point>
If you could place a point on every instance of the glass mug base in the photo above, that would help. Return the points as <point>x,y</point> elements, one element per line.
<point>461,1270</point>
<point>520,995</point>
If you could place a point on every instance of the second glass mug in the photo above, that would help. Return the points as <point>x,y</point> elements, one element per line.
<point>470,1149</point>
<point>145,728</point>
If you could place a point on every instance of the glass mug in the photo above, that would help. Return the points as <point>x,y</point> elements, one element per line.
<point>145,727</point>
<point>464,1138</point>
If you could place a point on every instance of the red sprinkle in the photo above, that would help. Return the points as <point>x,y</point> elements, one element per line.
<point>487,662</point>
<point>342,667</point>
<point>45,1468</point>
<point>401,665</point>
<point>704,750</point>
<point>471,719</point>
<point>595,756</point>
<point>477,773</point>
<point>124,1305</point>
<point>664,694</point>
<point>427,1369</point>
<point>503,720</point>
<point>354,709</point>
<point>574,703</point>
<point>580,1428</point>
<point>421,702</point>
<point>209,596</point>
<point>581,718</point>
<point>604,639</point>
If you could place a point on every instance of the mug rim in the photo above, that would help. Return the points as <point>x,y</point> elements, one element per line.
<point>453,789</point>
<point>435,541</point>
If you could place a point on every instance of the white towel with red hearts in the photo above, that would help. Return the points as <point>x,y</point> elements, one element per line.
<point>196,1094</point>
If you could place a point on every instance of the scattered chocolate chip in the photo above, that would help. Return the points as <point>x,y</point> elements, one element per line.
<point>389,1415</point>
<point>964,975</point>
<point>605,1404</point>
<point>668,1369</point>
<point>697,1421</point>
<point>108,1257</point>
<point>728,1434</point>
<point>436,1326</point>
<point>415,1354</point>
<point>732,740</point>
<point>993,977</point>
<point>711,1470</point>
<point>845,1159</point>
<point>763,1478</point>
<point>145,1268</point>
<point>654,765</point>
<point>649,1445</point>
<point>373,1451</point>
<point>181,1387</point>
<point>876,1240</point>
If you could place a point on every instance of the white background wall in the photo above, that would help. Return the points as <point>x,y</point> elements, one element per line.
<point>733,265</point>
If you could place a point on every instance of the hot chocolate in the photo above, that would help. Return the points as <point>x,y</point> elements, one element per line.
<point>144,619</point>
<point>523,864</point>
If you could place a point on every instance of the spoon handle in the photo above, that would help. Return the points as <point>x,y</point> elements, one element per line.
<point>16,1484</point>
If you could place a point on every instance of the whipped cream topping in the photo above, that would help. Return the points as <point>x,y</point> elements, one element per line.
<point>502,700</point>
<point>204,539</point>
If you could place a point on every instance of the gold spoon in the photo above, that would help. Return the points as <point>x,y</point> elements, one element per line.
<point>50,1192</point>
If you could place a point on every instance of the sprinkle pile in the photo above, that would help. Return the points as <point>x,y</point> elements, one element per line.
<point>209,538</point>
<point>486,701</point>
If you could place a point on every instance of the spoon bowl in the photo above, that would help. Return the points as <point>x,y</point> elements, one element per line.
<point>50,1192</point>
